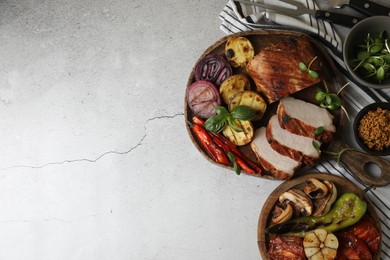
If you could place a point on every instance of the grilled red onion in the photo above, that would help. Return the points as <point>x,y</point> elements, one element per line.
<point>214,68</point>
<point>202,98</point>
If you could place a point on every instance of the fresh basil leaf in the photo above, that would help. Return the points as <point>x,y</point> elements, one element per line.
<point>215,124</point>
<point>243,113</point>
<point>220,110</point>
<point>236,167</point>
<point>233,125</point>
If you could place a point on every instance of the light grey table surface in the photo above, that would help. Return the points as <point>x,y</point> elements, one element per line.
<point>95,160</point>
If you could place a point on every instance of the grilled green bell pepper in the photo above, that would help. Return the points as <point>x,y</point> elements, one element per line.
<point>346,211</point>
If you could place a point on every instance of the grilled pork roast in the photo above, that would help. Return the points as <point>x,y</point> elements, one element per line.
<point>287,141</point>
<point>281,166</point>
<point>297,147</point>
<point>275,69</point>
<point>303,118</point>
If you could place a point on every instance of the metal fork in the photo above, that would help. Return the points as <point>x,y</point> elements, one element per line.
<point>300,9</point>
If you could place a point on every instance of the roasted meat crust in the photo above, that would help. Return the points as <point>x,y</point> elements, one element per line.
<point>300,128</point>
<point>281,175</point>
<point>287,151</point>
<point>275,69</point>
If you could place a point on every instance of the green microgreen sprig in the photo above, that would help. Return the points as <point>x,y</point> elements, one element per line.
<point>312,73</point>
<point>319,130</point>
<point>373,58</point>
<point>331,101</point>
<point>337,155</point>
<point>222,117</point>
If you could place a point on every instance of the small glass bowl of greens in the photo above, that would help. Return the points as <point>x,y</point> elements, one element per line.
<point>366,52</point>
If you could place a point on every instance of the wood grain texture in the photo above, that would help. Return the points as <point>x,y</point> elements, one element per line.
<point>342,185</point>
<point>354,161</point>
<point>260,40</point>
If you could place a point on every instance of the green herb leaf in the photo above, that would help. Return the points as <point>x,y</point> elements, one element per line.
<point>372,58</point>
<point>302,66</point>
<point>363,55</point>
<point>313,74</point>
<point>320,95</point>
<point>319,130</point>
<point>236,167</point>
<point>333,107</point>
<point>316,145</point>
<point>336,100</point>
<point>376,47</point>
<point>233,124</point>
<point>243,113</point>
<point>220,110</point>
<point>380,74</point>
<point>215,123</point>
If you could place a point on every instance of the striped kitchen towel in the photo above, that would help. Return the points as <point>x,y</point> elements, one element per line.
<point>238,17</point>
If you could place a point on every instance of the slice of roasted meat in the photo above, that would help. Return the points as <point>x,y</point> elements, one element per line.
<point>275,69</point>
<point>303,118</point>
<point>286,248</point>
<point>282,167</point>
<point>297,147</point>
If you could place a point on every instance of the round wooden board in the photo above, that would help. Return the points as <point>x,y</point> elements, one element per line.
<point>342,185</point>
<point>260,40</point>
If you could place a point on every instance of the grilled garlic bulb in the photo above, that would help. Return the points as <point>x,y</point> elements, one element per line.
<point>320,245</point>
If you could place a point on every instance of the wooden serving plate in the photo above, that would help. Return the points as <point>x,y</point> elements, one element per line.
<point>342,186</point>
<point>353,160</point>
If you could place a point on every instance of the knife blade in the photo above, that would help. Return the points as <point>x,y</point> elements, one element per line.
<point>301,9</point>
<point>367,7</point>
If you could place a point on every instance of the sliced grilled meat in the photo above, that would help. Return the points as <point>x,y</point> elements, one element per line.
<point>282,167</point>
<point>297,147</point>
<point>275,69</point>
<point>303,118</point>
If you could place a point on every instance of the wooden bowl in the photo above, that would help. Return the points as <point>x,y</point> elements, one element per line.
<point>260,40</point>
<point>342,185</point>
<point>353,160</point>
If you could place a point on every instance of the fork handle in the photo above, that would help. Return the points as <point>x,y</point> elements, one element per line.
<point>369,7</point>
<point>337,18</point>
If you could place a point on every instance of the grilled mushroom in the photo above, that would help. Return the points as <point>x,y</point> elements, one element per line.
<point>315,189</point>
<point>282,213</point>
<point>300,202</point>
<point>323,205</point>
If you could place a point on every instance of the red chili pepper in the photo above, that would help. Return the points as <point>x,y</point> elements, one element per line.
<point>213,150</point>
<point>198,120</point>
<point>246,164</point>
<point>240,160</point>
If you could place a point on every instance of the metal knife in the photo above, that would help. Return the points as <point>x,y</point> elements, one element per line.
<point>367,7</point>
<point>301,9</point>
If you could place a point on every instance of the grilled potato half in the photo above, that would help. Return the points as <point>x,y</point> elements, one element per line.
<point>232,85</point>
<point>239,138</point>
<point>239,51</point>
<point>251,99</point>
